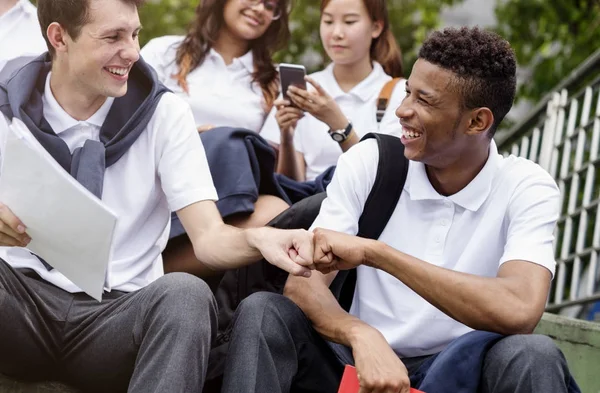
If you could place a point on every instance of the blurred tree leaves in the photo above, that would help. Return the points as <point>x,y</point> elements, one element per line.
<point>550,38</point>
<point>411,21</point>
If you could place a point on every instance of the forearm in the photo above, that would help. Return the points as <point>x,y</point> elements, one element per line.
<point>483,303</point>
<point>322,309</point>
<point>227,247</point>
<point>287,163</point>
<point>352,140</point>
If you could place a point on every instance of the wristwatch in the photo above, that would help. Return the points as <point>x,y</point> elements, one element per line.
<point>341,135</point>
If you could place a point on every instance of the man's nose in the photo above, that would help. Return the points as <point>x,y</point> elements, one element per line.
<point>405,109</point>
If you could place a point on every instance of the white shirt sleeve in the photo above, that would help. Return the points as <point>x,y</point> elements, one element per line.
<point>532,215</point>
<point>182,165</point>
<point>390,124</point>
<point>349,189</point>
<point>4,130</point>
<point>270,130</point>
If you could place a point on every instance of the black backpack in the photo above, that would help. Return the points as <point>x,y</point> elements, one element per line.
<point>238,284</point>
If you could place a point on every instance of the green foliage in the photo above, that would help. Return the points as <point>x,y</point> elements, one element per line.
<point>165,17</point>
<point>411,20</point>
<point>550,38</point>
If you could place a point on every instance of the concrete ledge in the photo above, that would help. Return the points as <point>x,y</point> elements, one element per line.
<point>580,342</point>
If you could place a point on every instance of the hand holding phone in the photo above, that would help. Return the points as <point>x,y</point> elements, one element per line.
<point>291,75</point>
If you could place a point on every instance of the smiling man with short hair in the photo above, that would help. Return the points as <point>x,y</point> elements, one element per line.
<point>99,110</point>
<point>448,295</point>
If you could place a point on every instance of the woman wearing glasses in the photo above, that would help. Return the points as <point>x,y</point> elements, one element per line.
<point>223,68</point>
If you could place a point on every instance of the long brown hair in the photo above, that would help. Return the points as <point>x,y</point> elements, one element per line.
<point>384,49</point>
<point>204,32</point>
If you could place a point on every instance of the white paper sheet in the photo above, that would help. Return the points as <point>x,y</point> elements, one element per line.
<point>69,227</point>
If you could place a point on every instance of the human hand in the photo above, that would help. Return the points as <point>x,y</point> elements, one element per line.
<point>290,250</point>
<point>287,117</point>
<point>12,230</point>
<point>378,368</point>
<point>338,251</point>
<point>205,127</point>
<point>319,104</point>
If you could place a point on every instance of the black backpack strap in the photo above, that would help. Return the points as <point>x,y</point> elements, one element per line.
<point>381,203</point>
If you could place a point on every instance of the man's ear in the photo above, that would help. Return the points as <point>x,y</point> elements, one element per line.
<point>481,120</point>
<point>57,36</point>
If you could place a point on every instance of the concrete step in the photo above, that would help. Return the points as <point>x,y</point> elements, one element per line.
<point>580,342</point>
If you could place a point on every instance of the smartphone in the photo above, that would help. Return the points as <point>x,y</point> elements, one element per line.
<point>291,75</point>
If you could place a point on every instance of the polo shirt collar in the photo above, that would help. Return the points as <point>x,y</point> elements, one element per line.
<point>470,198</point>
<point>364,91</point>
<point>246,61</point>
<point>61,121</point>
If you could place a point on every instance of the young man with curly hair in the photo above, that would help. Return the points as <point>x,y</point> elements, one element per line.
<point>447,298</point>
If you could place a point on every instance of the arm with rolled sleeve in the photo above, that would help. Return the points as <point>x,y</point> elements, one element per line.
<point>187,183</point>
<point>379,367</point>
<point>510,303</point>
<point>340,211</point>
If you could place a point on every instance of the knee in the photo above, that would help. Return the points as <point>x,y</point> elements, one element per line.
<point>526,351</point>
<point>181,298</point>
<point>265,312</point>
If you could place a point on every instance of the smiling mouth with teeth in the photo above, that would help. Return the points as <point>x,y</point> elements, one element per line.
<point>117,71</point>
<point>411,134</point>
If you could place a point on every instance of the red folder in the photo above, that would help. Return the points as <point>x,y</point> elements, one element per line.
<point>350,383</point>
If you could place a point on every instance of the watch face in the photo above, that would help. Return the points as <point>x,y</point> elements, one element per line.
<point>338,136</point>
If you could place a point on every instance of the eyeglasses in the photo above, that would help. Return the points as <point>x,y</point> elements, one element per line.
<point>271,6</point>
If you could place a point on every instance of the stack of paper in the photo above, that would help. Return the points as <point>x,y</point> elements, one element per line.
<point>70,228</point>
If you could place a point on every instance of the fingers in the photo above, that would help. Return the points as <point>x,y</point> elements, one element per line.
<point>287,120</point>
<point>323,253</point>
<point>299,94</point>
<point>303,245</point>
<point>316,85</point>
<point>12,230</point>
<point>289,265</point>
<point>302,98</point>
<point>281,102</point>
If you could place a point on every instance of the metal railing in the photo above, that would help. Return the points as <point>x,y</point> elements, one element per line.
<point>562,134</point>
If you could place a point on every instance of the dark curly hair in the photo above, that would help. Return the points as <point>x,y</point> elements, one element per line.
<point>484,65</point>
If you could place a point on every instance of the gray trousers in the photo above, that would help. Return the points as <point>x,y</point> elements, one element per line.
<point>156,339</point>
<point>275,349</point>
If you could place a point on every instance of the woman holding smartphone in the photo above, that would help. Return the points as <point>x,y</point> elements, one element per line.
<point>340,105</point>
<point>223,68</point>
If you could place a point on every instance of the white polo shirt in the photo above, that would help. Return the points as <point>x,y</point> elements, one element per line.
<point>219,94</point>
<point>164,170</point>
<point>20,33</point>
<point>358,105</point>
<point>508,212</point>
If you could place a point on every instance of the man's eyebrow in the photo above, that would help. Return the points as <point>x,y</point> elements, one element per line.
<point>425,93</point>
<point>121,30</point>
<point>422,92</point>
